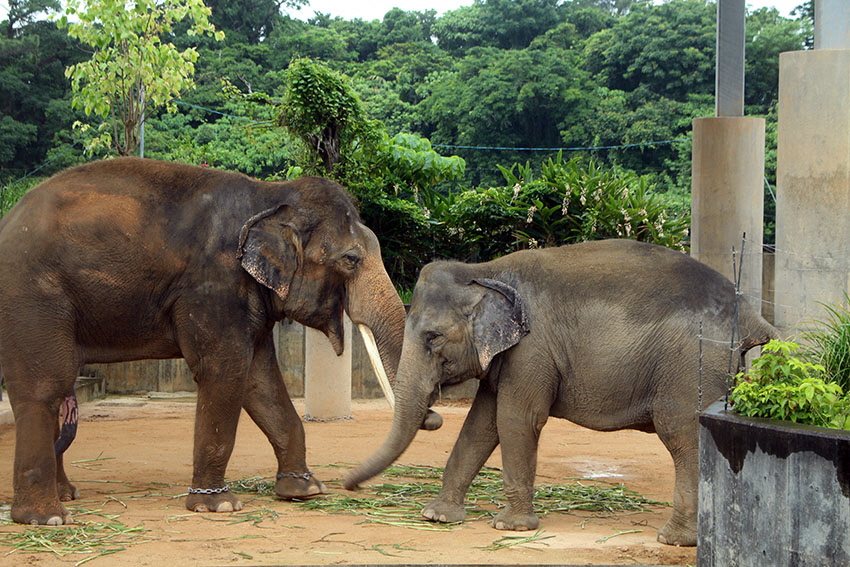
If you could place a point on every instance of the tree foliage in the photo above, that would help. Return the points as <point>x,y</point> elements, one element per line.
<point>24,12</point>
<point>321,108</point>
<point>251,20</point>
<point>132,70</point>
<point>421,116</point>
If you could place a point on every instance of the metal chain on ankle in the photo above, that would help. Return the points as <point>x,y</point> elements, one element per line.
<point>303,476</point>
<point>224,488</point>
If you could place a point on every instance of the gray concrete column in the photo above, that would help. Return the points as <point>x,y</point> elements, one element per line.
<point>327,377</point>
<point>727,197</point>
<point>832,24</point>
<point>813,185</point>
<point>729,75</point>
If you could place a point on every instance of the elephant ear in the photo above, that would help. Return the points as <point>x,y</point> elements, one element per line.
<point>500,320</point>
<point>270,249</point>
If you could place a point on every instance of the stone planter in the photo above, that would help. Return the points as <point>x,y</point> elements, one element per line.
<point>772,492</point>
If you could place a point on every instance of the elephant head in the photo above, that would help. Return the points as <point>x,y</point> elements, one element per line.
<point>320,260</point>
<point>457,326</point>
<point>311,249</point>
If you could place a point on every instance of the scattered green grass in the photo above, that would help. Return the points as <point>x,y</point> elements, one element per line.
<point>95,539</point>
<point>396,502</point>
<point>409,488</point>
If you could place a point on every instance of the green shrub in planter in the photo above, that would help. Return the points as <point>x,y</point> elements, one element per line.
<point>829,343</point>
<point>782,386</point>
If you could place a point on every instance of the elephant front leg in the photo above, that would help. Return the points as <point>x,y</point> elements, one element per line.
<point>476,442</point>
<point>217,416</point>
<point>269,405</point>
<point>519,433</point>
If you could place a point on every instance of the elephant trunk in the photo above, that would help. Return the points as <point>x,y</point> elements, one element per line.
<point>388,333</point>
<point>412,398</point>
<point>373,302</point>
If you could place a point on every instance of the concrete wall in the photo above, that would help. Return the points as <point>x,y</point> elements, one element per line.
<point>771,493</point>
<point>174,375</point>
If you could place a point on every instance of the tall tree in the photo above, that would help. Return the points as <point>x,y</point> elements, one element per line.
<point>34,95</point>
<point>768,35</point>
<point>506,98</point>
<point>399,26</point>
<point>321,108</point>
<point>666,49</point>
<point>22,12</point>
<point>507,24</point>
<point>254,20</point>
<point>131,71</point>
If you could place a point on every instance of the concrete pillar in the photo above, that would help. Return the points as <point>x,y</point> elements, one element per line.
<point>832,24</point>
<point>327,377</point>
<point>813,185</point>
<point>727,197</point>
<point>729,75</point>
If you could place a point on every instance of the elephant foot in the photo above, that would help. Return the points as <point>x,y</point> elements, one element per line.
<point>296,486</point>
<point>445,512</point>
<point>507,520</point>
<point>55,516</point>
<point>67,492</point>
<point>678,533</point>
<point>432,421</point>
<point>217,502</point>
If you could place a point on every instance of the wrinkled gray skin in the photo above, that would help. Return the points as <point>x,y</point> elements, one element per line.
<point>604,334</point>
<point>128,259</point>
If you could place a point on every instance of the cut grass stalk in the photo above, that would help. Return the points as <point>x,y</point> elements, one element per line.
<point>606,538</point>
<point>518,541</point>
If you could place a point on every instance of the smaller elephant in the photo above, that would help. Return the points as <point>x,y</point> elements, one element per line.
<point>605,334</point>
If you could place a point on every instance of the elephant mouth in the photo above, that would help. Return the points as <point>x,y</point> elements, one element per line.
<point>435,395</point>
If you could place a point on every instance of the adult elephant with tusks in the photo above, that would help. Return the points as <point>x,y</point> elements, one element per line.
<point>605,334</point>
<point>128,259</point>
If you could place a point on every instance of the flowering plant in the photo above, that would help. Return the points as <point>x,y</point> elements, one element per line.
<point>567,202</point>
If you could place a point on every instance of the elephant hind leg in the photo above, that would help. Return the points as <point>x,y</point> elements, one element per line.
<point>36,499</point>
<point>64,434</point>
<point>681,528</point>
<point>37,382</point>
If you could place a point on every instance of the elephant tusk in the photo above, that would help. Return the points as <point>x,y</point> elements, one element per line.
<point>377,365</point>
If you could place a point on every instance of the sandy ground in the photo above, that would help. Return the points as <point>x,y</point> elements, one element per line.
<point>132,462</point>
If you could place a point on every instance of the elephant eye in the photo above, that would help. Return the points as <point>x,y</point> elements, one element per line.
<point>434,340</point>
<point>349,260</point>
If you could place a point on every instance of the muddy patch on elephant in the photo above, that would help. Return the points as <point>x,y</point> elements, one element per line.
<point>132,463</point>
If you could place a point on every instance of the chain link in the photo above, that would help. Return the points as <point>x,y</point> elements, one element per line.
<point>305,476</point>
<point>224,488</point>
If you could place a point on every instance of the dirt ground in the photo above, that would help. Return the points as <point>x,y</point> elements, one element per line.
<point>132,462</point>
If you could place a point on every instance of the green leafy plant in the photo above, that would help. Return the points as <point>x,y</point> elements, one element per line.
<point>782,386</point>
<point>567,202</point>
<point>132,70</point>
<point>829,343</point>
